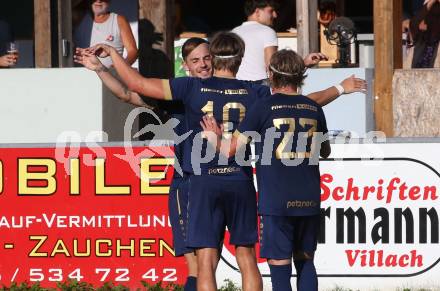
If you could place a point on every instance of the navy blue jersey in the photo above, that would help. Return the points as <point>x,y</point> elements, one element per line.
<point>228,101</point>
<point>177,112</point>
<point>178,149</point>
<point>288,184</point>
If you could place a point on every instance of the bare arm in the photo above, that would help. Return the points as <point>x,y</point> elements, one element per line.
<point>128,40</point>
<point>121,91</point>
<point>150,87</point>
<point>350,85</point>
<point>324,97</point>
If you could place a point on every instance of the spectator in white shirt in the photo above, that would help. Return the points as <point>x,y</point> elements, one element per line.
<point>260,39</point>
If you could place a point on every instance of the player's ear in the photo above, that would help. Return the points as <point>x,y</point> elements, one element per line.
<point>185,66</point>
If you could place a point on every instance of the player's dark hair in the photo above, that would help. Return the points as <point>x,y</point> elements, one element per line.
<point>190,44</point>
<point>251,5</point>
<point>227,50</point>
<point>287,69</point>
<point>327,6</point>
<point>92,1</point>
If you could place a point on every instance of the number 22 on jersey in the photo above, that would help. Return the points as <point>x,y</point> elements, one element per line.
<point>280,152</point>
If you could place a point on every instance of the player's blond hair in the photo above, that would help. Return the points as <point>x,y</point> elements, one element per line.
<point>287,69</point>
<point>227,50</point>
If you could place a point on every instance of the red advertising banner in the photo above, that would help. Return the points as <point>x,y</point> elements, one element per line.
<point>100,214</point>
<point>97,215</point>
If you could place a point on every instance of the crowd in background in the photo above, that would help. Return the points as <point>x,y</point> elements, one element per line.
<point>421,23</point>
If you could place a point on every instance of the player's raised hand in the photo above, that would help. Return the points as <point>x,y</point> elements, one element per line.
<point>353,84</point>
<point>101,50</point>
<point>86,58</point>
<point>209,124</point>
<point>211,131</point>
<point>314,58</point>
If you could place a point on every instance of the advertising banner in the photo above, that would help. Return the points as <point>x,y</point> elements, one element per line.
<point>86,214</point>
<point>100,214</point>
<point>379,219</point>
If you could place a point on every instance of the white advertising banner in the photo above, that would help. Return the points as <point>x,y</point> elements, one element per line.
<point>379,219</point>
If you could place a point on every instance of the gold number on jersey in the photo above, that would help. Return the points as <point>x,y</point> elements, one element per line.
<point>209,109</point>
<point>279,153</point>
<point>313,127</point>
<point>308,121</point>
<point>226,114</point>
<point>303,122</point>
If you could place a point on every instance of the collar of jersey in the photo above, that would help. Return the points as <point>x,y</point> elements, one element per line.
<point>289,94</point>
<point>225,77</point>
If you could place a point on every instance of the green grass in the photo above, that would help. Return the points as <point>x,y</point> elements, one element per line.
<point>83,286</point>
<point>73,285</point>
<point>229,286</point>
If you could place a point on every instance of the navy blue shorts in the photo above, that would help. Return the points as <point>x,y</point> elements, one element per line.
<point>281,236</point>
<point>178,209</point>
<point>216,203</point>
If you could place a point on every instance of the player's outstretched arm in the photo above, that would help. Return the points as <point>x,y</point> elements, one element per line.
<point>150,87</point>
<point>347,86</point>
<point>213,133</point>
<point>91,62</point>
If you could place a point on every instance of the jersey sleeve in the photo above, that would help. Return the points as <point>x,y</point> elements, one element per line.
<point>178,88</point>
<point>270,38</point>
